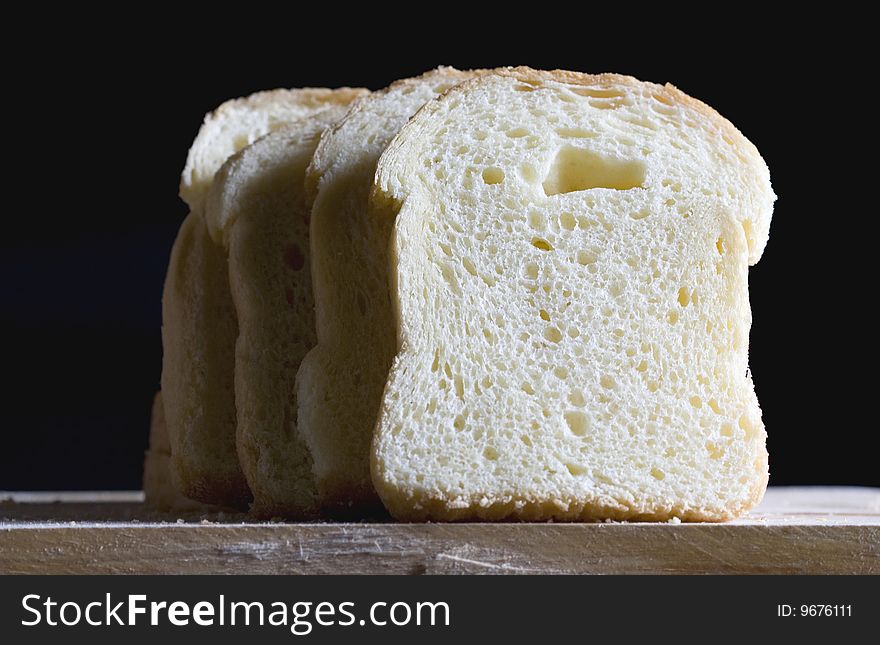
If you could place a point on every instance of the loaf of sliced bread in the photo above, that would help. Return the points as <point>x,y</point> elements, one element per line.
<point>570,263</point>
<point>340,381</point>
<point>199,321</point>
<point>258,207</point>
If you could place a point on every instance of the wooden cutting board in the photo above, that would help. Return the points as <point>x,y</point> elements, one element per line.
<point>795,530</point>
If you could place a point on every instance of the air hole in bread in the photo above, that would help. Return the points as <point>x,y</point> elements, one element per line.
<point>560,372</point>
<point>553,334</point>
<point>664,110</point>
<point>493,175</point>
<point>598,92</point>
<point>684,298</point>
<point>576,470</point>
<point>542,244</point>
<point>664,99</point>
<point>576,133</point>
<point>532,271</point>
<point>611,104</point>
<point>490,453</point>
<point>578,423</point>
<point>536,221</point>
<point>715,452</point>
<point>658,474</point>
<point>747,427</point>
<point>516,133</point>
<point>642,213</point>
<point>607,381</point>
<point>576,169</point>
<point>641,122</point>
<point>567,221</point>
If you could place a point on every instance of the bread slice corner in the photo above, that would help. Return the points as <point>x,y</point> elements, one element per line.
<point>237,123</point>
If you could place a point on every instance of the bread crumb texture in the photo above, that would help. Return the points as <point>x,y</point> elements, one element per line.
<point>570,260</point>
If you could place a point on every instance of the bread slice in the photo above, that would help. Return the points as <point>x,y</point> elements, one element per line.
<point>199,323</point>
<point>239,122</point>
<point>340,381</point>
<point>160,493</point>
<point>571,260</point>
<point>199,329</point>
<point>258,205</point>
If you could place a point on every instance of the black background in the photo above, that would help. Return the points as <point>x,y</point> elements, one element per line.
<point>101,109</point>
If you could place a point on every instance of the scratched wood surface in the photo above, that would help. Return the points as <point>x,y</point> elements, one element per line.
<point>795,530</point>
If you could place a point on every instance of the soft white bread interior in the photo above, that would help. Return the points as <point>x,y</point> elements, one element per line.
<point>340,381</point>
<point>199,321</point>
<point>259,207</point>
<point>570,258</point>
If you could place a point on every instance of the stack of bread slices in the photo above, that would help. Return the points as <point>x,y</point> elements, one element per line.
<point>485,295</point>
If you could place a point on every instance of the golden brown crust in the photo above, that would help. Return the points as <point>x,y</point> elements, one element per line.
<point>529,75</point>
<point>417,507</point>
